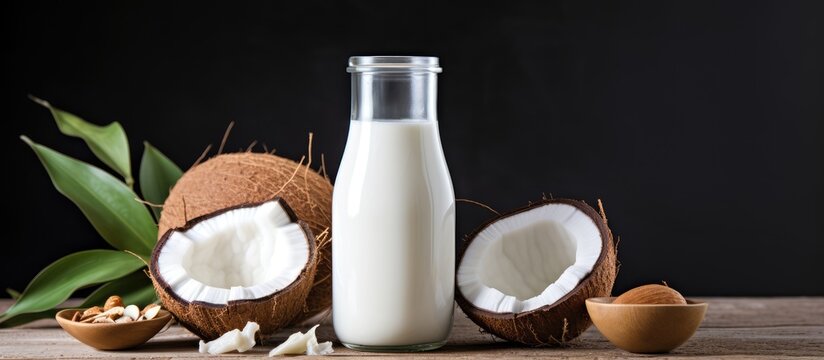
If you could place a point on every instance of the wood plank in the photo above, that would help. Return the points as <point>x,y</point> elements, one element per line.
<point>734,328</point>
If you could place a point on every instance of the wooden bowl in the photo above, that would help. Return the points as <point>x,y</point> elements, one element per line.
<point>112,336</point>
<point>646,328</point>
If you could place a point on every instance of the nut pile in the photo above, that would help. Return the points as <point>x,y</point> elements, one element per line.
<point>114,312</point>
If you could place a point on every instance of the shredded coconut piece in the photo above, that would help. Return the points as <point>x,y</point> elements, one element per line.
<point>232,340</point>
<point>300,343</point>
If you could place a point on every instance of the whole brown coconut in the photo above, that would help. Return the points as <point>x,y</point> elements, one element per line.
<point>563,320</point>
<point>229,180</point>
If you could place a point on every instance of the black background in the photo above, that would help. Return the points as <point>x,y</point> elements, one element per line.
<point>698,122</point>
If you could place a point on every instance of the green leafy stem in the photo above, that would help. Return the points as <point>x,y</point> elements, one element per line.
<point>113,209</point>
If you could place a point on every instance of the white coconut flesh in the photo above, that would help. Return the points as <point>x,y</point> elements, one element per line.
<point>239,340</point>
<point>300,343</point>
<point>528,260</point>
<point>241,254</point>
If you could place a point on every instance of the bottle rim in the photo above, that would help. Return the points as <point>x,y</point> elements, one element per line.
<point>395,64</point>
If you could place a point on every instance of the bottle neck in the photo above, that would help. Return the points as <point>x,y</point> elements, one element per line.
<point>394,95</point>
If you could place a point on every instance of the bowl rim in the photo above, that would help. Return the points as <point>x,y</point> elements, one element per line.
<point>163,314</point>
<point>607,301</point>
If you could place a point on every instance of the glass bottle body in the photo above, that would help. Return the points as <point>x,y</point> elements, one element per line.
<point>393,215</point>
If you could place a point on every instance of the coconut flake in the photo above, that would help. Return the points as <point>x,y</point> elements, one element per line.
<point>313,348</point>
<point>233,340</point>
<point>248,333</point>
<point>300,343</point>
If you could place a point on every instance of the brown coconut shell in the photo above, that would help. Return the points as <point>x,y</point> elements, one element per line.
<point>564,320</point>
<point>210,321</point>
<point>230,180</point>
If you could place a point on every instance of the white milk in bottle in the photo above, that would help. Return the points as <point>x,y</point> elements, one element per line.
<point>393,212</point>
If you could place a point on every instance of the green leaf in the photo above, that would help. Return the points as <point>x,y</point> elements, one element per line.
<point>110,205</point>
<point>27,318</point>
<point>135,288</point>
<point>13,293</point>
<point>54,284</point>
<point>108,143</point>
<point>157,175</point>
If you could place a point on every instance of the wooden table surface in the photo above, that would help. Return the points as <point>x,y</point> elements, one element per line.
<point>734,328</point>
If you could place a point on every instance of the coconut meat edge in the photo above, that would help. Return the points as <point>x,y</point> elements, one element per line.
<point>528,260</point>
<point>244,253</point>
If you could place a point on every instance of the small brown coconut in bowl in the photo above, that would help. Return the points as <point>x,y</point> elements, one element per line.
<point>525,275</point>
<point>647,319</point>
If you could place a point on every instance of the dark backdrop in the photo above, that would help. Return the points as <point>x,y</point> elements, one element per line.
<point>698,122</point>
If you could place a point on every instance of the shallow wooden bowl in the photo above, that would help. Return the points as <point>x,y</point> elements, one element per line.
<point>646,328</point>
<point>112,336</point>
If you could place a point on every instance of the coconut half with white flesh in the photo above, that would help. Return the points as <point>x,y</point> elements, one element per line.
<point>254,262</point>
<point>525,275</point>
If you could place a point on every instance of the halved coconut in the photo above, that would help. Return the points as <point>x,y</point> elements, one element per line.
<point>254,262</point>
<point>228,180</point>
<point>524,276</point>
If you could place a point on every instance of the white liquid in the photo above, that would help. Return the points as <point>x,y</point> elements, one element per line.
<point>393,225</point>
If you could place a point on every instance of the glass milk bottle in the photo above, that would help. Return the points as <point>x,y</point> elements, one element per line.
<point>393,212</point>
